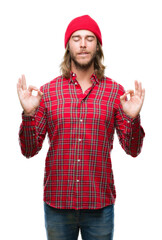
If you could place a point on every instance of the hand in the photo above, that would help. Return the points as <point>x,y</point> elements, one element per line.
<point>28,102</point>
<point>133,106</point>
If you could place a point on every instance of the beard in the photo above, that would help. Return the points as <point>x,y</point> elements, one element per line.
<point>83,66</point>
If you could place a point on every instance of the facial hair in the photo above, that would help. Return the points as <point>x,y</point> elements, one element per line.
<point>82,66</point>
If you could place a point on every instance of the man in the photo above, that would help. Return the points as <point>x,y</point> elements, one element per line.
<point>80,111</point>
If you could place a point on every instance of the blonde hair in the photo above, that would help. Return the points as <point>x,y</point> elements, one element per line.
<point>65,66</point>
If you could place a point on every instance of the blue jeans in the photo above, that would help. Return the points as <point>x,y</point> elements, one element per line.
<point>64,224</point>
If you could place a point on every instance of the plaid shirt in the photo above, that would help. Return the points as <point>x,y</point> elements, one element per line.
<point>80,127</point>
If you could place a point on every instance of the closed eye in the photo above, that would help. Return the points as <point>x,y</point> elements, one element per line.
<point>75,38</point>
<point>90,38</point>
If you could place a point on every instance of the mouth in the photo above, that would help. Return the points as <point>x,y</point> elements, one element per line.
<point>83,53</point>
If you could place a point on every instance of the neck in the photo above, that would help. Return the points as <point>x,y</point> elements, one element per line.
<point>83,75</point>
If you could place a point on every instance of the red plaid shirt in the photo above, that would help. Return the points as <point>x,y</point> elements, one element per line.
<point>80,127</point>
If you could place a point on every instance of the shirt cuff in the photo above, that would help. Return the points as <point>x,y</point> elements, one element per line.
<point>132,126</point>
<point>28,121</point>
<point>132,121</point>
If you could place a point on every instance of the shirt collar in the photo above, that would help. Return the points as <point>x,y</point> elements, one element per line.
<point>73,77</point>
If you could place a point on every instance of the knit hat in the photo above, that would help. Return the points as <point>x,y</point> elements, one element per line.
<point>84,22</point>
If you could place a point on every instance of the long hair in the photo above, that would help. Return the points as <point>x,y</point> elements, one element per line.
<point>65,66</point>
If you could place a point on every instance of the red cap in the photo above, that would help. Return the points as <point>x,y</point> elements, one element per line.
<point>84,22</point>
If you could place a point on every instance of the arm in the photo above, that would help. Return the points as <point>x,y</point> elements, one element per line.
<point>130,132</point>
<point>32,131</point>
<point>33,127</point>
<point>127,121</point>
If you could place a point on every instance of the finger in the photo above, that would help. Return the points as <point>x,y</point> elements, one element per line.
<point>123,97</point>
<point>20,82</point>
<point>140,89</point>
<point>136,87</point>
<point>40,94</point>
<point>19,88</point>
<point>19,85</point>
<point>24,87</point>
<point>128,92</point>
<point>131,92</point>
<point>143,94</point>
<point>31,88</point>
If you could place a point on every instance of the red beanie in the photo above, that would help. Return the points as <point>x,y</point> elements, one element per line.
<point>84,22</point>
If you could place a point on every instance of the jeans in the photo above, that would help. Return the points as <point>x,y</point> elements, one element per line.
<point>64,224</point>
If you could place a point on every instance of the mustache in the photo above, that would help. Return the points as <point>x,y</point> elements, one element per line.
<point>83,52</point>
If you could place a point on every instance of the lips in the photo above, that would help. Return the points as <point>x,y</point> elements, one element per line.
<point>83,53</point>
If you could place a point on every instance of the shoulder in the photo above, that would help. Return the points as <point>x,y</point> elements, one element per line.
<point>114,85</point>
<point>51,84</point>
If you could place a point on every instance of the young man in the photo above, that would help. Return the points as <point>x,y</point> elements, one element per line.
<point>80,111</point>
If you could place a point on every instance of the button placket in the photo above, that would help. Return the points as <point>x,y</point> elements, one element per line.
<point>79,148</point>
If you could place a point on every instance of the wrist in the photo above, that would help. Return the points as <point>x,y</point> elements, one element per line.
<point>29,113</point>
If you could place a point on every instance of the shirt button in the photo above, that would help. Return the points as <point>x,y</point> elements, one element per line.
<point>33,119</point>
<point>80,139</point>
<point>73,74</point>
<point>78,160</point>
<point>81,120</point>
<point>76,83</point>
<point>128,121</point>
<point>77,180</point>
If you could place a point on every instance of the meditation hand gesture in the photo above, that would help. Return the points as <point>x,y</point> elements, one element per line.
<point>132,107</point>
<point>28,102</point>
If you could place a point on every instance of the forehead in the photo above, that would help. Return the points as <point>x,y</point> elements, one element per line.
<point>83,33</point>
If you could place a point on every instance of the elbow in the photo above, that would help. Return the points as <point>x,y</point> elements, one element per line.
<point>134,153</point>
<point>29,154</point>
<point>26,155</point>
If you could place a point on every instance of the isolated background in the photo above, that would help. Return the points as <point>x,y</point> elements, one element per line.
<point>32,43</point>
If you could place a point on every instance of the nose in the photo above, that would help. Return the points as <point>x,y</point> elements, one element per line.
<point>83,43</point>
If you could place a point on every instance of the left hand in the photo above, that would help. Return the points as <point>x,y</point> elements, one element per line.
<point>132,107</point>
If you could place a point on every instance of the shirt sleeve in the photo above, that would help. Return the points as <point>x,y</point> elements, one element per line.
<point>32,131</point>
<point>130,132</point>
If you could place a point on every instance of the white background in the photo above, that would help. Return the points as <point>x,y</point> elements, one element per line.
<point>32,43</point>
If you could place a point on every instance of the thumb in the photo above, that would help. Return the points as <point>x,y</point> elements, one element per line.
<point>123,97</point>
<point>40,94</point>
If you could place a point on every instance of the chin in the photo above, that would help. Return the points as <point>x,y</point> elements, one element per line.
<point>83,64</point>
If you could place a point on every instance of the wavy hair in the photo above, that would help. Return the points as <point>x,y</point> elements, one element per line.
<point>65,66</point>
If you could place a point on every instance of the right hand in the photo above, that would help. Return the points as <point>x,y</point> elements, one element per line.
<point>28,102</point>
